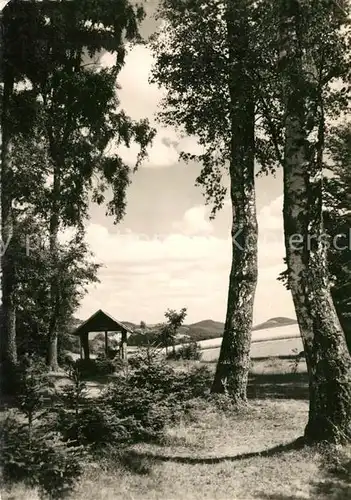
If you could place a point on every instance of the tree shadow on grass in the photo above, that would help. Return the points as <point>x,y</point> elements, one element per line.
<point>333,490</point>
<point>337,483</point>
<point>278,386</point>
<point>276,496</point>
<point>335,486</point>
<point>135,459</point>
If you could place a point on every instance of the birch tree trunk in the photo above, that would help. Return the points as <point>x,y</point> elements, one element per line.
<point>327,356</point>
<point>234,360</point>
<point>52,336</point>
<point>8,326</point>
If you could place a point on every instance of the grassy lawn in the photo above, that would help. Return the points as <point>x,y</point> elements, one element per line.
<point>220,455</point>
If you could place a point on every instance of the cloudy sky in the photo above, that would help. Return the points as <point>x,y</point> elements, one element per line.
<point>166,253</point>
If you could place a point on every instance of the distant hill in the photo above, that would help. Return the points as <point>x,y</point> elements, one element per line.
<point>209,329</point>
<point>206,329</point>
<point>274,323</point>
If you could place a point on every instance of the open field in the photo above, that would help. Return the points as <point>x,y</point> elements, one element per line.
<point>262,349</point>
<point>278,333</point>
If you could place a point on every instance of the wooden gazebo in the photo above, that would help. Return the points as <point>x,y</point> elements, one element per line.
<point>101,322</point>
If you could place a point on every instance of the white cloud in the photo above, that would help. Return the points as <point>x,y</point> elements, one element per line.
<point>271,249</point>
<point>160,154</point>
<point>195,221</point>
<point>138,97</point>
<point>143,276</point>
<point>141,99</point>
<point>137,249</point>
<point>270,217</point>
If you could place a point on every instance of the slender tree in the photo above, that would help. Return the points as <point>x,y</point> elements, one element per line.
<point>234,358</point>
<point>312,53</point>
<point>337,223</point>
<point>205,56</point>
<point>174,322</point>
<point>76,271</point>
<point>11,101</point>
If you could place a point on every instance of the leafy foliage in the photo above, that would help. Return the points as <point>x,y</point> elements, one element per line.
<point>46,462</point>
<point>34,271</point>
<point>32,452</point>
<point>32,387</point>
<point>169,330</point>
<point>134,407</point>
<point>192,350</point>
<point>76,108</point>
<point>101,366</point>
<point>337,223</point>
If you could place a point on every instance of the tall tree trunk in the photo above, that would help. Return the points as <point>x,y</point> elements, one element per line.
<point>234,360</point>
<point>327,356</point>
<point>52,337</point>
<point>8,333</point>
<point>344,319</point>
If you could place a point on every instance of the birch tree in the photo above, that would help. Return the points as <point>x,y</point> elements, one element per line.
<point>204,56</point>
<point>313,53</point>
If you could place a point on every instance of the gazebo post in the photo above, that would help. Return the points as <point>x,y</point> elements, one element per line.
<point>85,341</point>
<point>124,346</point>
<point>106,343</point>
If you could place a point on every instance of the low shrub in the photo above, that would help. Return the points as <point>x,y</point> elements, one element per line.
<point>223,402</point>
<point>144,412</point>
<point>298,356</point>
<point>99,367</point>
<point>82,421</point>
<point>39,460</point>
<point>336,460</point>
<point>154,395</point>
<point>336,468</point>
<point>191,351</point>
<point>33,386</point>
<point>180,385</point>
<point>95,426</point>
<point>31,453</point>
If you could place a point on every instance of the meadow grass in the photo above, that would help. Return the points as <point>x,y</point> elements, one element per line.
<point>218,454</point>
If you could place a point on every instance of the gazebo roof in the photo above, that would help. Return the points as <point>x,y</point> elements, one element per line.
<point>101,322</point>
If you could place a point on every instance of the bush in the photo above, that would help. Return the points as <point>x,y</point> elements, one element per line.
<point>94,426</point>
<point>191,351</point>
<point>298,357</point>
<point>84,422</point>
<point>144,412</point>
<point>39,460</point>
<point>133,408</point>
<point>99,367</point>
<point>181,385</point>
<point>32,386</point>
<point>154,395</point>
<point>30,453</point>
